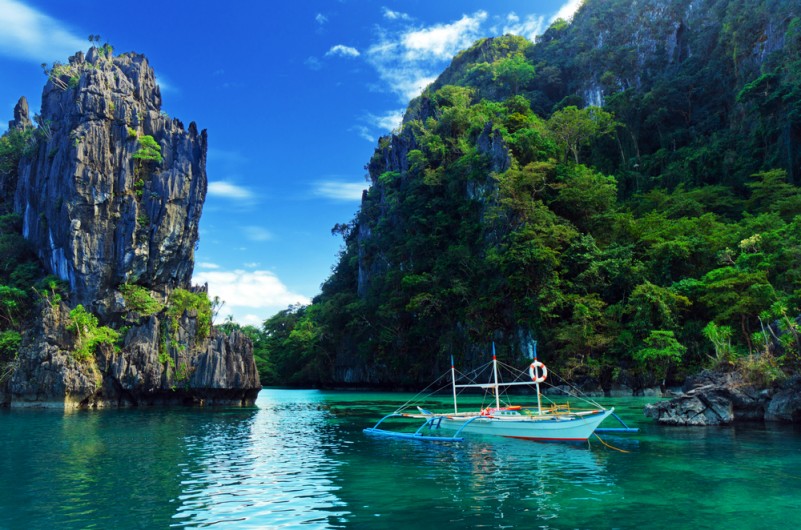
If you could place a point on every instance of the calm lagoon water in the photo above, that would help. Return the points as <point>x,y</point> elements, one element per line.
<point>299,460</point>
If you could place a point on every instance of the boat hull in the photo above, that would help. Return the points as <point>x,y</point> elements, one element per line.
<point>556,428</point>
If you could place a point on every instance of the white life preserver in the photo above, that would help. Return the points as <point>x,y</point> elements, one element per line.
<point>532,371</point>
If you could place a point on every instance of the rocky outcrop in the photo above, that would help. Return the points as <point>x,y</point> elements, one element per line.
<point>112,194</point>
<point>785,406</point>
<point>22,118</point>
<point>97,215</point>
<point>144,371</point>
<point>717,398</point>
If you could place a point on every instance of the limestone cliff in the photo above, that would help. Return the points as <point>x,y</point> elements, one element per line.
<point>111,194</point>
<point>96,215</point>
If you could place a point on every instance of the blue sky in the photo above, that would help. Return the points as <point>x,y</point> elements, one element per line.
<point>294,96</point>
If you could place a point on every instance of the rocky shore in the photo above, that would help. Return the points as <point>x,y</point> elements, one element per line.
<point>721,398</point>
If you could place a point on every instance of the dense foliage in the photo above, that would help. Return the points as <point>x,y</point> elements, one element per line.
<point>22,279</point>
<point>637,241</point>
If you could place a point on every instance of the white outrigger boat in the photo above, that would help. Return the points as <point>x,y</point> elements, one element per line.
<point>556,422</point>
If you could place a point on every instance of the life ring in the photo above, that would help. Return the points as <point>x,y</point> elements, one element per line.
<point>532,371</point>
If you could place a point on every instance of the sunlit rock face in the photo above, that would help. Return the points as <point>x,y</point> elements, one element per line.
<point>97,215</point>
<point>111,193</point>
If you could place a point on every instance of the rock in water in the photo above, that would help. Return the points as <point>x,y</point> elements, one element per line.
<point>112,195</point>
<point>97,215</point>
<point>786,404</point>
<point>712,398</point>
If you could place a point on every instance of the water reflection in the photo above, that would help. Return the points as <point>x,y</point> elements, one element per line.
<point>475,483</point>
<point>301,460</point>
<point>273,470</point>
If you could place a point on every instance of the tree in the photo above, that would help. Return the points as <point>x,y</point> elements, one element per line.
<point>662,349</point>
<point>149,150</point>
<point>513,72</point>
<point>575,128</point>
<point>720,337</point>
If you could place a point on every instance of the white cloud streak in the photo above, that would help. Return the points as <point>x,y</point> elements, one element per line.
<point>28,34</point>
<point>387,122</point>
<point>395,15</point>
<point>257,233</point>
<point>340,191</point>
<point>340,50</point>
<point>229,190</point>
<point>364,132</point>
<point>246,293</point>
<point>442,41</point>
<point>410,59</point>
<point>313,63</point>
<point>567,10</point>
<point>530,27</point>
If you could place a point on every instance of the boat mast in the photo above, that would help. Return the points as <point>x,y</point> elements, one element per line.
<point>539,398</point>
<point>453,380</point>
<point>495,374</point>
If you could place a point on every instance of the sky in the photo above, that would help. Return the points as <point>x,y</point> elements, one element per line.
<point>294,95</point>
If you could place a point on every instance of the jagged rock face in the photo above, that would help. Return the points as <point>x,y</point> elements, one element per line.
<point>97,216</point>
<point>219,370</point>
<point>714,398</point>
<point>656,36</point>
<point>22,118</point>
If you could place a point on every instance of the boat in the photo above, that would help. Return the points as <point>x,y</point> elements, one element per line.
<point>553,422</point>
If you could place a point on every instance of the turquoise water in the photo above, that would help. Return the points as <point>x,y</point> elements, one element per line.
<point>300,460</point>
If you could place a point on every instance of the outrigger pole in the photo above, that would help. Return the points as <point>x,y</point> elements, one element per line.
<point>453,381</point>
<point>495,375</point>
<point>539,398</point>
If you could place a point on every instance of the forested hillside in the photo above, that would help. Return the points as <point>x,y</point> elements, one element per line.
<point>623,191</point>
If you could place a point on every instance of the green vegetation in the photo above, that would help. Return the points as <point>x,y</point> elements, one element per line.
<point>139,300</point>
<point>20,277</point>
<point>148,155</point>
<point>89,335</point>
<point>182,300</point>
<point>149,150</point>
<point>646,239</point>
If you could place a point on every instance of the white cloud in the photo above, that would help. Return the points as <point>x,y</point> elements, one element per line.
<point>530,28</point>
<point>340,191</point>
<point>410,59</point>
<point>208,265</point>
<point>378,125</point>
<point>395,15</point>
<point>364,132</point>
<point>321,19</point>
<point>250,296</point>
<point>28,34</point>
<point>313,63</point>
<point>229,190</point>
<point>342,51</point>
<point>567,10</point>
<point>443,41</point>
<point>387,122</point>
<point>257,233</point>
<point>164,84</point>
